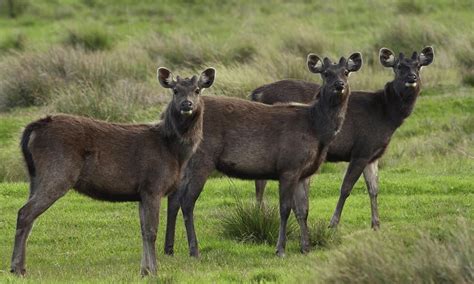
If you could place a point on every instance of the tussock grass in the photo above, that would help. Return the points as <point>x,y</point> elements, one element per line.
<point>182,50</point>
<point>91,37</point>
<point>250,223</point>
<point>120,101</point>
<point>411,34</point>
<point>323,237</point>
<point>383,258</point>
<point>54,77</point>
<point>13,42</point>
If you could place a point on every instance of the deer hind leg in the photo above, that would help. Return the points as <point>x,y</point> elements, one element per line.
<point>259,190</point>
<point>352,175</point>
<point>287,189</point>
<point>300,208</point>
<point>371,180</point>
<point>149,209</point>
<point>43,194</point>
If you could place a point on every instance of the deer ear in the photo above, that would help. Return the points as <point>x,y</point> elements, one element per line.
<point>207,78</point>
<point>354,63</point>
<point>165,77</point>
<point>387,58</point>
<point>315,65</point>
<point>426,56</point>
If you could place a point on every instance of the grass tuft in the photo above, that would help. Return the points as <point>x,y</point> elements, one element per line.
<point>382,258</point>
<point>323,237</point>
<point>13,41</point>
<point>250,223</point>
<point>91,37</point>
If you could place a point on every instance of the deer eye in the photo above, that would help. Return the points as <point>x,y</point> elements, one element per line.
<point>175,91</point>
<point>346,72</point>
<point>197,91</point>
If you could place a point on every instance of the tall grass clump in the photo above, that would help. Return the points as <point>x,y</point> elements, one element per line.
<point>384,258</point>
<point>181,50</point>
<point>409,7</point>
<point>249,222</point>
<point>410,34</point>
<point>13,8</point>
<point>13,41</point>
<point>91,37</point>
<point>323,237</point>
<point>304,39</point>
<point>465,58</point>
<point>35,78</point>
<point>121,101</point>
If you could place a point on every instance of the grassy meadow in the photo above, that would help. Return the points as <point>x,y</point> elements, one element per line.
<point>98,58</point>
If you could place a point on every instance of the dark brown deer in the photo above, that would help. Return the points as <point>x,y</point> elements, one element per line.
<point>286,143</point>
<point>371,120</point>
<point>112,162</point>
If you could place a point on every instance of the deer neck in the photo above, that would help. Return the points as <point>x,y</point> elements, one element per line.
<point>327,114</point>
<point>399,104</point>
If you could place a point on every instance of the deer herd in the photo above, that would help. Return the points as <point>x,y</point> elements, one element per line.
<point>284,133</point>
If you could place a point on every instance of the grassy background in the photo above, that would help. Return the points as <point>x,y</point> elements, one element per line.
<point>98,58</point>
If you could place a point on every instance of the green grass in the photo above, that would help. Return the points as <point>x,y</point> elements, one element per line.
<point>87,240</point>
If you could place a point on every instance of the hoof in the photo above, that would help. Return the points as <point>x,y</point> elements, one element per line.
<point>194,254</point>
<point>280,253</point>
<point>376,226</point>
<point>169,252</point>
<point>148,272</point>
<point>305,250</point>
<point>18,271</point>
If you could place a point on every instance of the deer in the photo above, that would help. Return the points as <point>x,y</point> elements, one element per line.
<point>113,162</point>
<point>286,143</point>
<point>371,120</point>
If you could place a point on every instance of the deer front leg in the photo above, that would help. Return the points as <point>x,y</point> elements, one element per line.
<point>300,208</point>
<point>371,180</point>
<point>149,208</point>
<point>287,189</point>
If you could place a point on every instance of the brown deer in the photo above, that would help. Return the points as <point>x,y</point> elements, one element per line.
<point>112,162</point>
<point>371,120</point>
<point>286,143</point>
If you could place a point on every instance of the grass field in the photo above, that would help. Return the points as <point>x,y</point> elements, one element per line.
<point>98,58</point>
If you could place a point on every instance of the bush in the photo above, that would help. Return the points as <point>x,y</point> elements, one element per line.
<point>248,222</point>
<point>92,37</point>
<point>380,258</point>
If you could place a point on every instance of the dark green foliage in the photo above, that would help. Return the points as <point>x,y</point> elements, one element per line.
<point>248,222</point>
<point>92,37</point>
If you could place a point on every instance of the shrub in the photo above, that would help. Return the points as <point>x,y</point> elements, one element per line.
<point>248,222</point>
<point>382,258</point>
<point>91,37</point>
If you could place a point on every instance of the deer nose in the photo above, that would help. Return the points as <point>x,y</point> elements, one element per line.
<point>339,85</point>
<point>186,105</point>
<point>412,78</point>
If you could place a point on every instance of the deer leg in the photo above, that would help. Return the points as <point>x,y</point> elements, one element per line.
<point>191,186</point>
<point>149,209</point>
<point>259,190</point>
<point>287,188</point>
<point>42,196</point>
<point>300,208</point>
<point>173,208</point>
<point>352,175</point>
<point>371,180</point>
